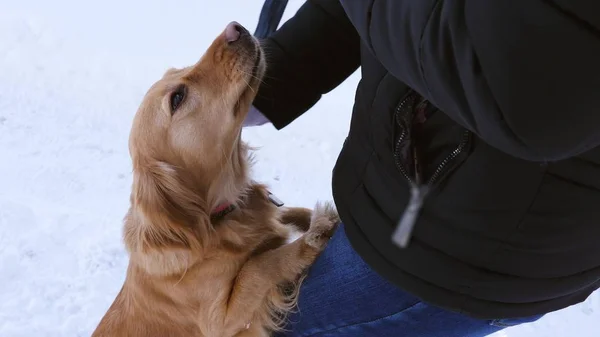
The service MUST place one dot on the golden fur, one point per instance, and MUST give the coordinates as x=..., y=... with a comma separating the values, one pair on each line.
x=190, y=274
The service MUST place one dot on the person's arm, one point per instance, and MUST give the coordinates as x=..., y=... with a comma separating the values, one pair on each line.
x=310, y=55
x=524, y=75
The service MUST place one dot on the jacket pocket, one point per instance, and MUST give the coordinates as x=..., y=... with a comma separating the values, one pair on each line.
x=427, y=142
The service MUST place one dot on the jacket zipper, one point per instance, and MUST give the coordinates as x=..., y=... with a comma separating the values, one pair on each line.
x=403, y=133
x=455, y=153
x=440, y=168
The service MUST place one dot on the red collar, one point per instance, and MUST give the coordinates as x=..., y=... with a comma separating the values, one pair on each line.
x=222, y=209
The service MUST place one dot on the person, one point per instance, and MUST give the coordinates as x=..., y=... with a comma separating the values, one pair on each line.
x=469, y=182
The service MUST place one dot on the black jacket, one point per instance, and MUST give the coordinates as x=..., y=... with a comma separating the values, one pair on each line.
x=499, y=102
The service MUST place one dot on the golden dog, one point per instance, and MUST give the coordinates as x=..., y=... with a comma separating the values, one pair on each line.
x=209, y=251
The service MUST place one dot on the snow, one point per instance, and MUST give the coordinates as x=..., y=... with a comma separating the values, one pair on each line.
x=72, y=76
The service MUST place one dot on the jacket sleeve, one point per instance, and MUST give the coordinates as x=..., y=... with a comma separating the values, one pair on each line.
x=308, y=56
x=524, y=75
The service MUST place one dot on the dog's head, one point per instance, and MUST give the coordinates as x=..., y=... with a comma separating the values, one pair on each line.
x=185, y=141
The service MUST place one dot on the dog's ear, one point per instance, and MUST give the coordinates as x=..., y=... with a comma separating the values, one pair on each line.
x=158, y=189
x=167, y=225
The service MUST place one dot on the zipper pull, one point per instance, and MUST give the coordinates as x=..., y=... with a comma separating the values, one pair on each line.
x=407, y=222
x=418, y=192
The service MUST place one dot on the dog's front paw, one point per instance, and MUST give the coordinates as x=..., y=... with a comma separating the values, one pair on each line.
x=323, y=223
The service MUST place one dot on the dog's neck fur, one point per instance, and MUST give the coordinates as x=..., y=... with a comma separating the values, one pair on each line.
x=180, y=292
x=233, y=181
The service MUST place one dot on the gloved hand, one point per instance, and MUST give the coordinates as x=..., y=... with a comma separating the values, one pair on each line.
x=254, y=118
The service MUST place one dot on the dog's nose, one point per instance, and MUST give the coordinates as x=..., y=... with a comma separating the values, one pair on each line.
x=234, y=31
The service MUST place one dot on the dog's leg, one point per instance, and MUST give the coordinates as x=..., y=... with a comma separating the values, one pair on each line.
x=299, y=217
x=284, y=264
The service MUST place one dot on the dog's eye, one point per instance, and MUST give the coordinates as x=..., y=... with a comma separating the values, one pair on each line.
x=177, y=97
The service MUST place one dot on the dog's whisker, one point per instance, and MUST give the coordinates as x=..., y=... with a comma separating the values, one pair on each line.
x=251, y=75
x=249, y=86
x=248, y=74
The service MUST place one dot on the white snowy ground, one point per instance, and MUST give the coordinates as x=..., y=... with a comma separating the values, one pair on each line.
x=71, y=76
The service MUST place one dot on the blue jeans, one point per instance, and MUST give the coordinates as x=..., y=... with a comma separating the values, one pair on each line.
x=343, y=297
